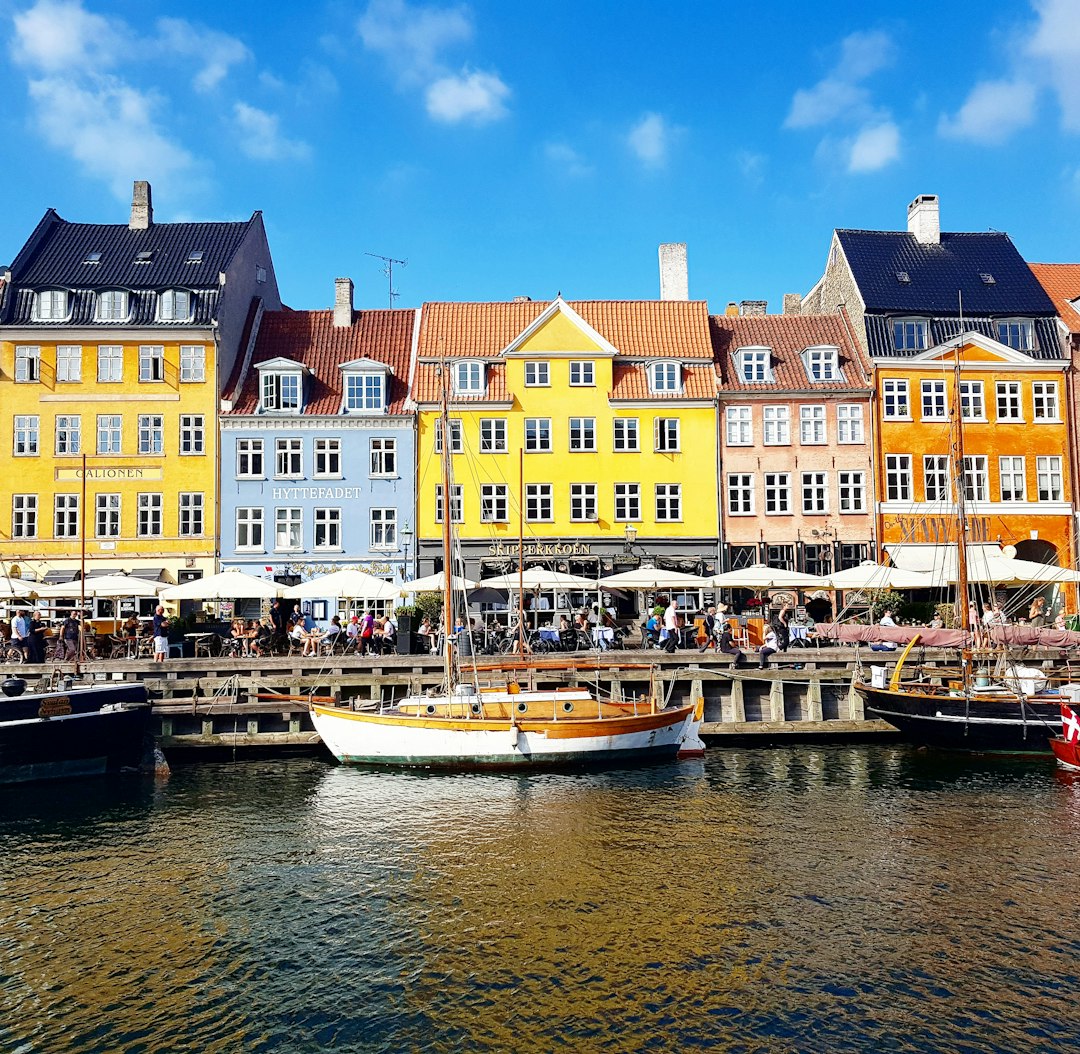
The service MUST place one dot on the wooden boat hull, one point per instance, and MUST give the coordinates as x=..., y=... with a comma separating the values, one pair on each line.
x=82, y=732
x=1067, y=754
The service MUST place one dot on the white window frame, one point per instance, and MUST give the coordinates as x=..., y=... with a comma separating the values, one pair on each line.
x=822, y=364
x=1010, y=395
x=538, y=438
x=626, y=435
x=383, y=458
x=27, y=363
x=469, y=377
x=174, y=305
x=973, y=400
x=327, y=529
x=493, y=433
x=582, y=437
x=754, y=365
x=149, y=515
x=24, y=515
x=850, y=427
x=665, y=378
x=365, y=392
x=814, y=487
x=383, y=523
x=539, y=503
x=1016, y=333
x=1011, y=471
x=108, y=510
x=910, y=334
x=739, y=494
x=666, y=435
x=253, y=452
x=110, y=363
x=936, y=483
x=112, y=305
x=191, y=514
x=288, y=529
x=895, y=399
x=582, y=373
x=667, y=502
x=457, y=503
x=65, y=515
x=584, y=505
x=777, y=493
x=1044, y=398
x=326, y=451
x=934, y=400
x=192, y=363
x=776, y=425
x=281, y=391
x=192, y=435
x=110, y=433
x=457, y=436
x=69, y=363
x=151, y=434
x=628, y=502
x=27, y=433
x=851, y=492
x=250, y=524
x=288, y=457
x=68, y=435
x=739, y=425
x=151, y=363
x=976, y=477
x=52, y=305
x=1050, y=479
x=898, y=477
x=494, y=503
x=812, y=425
x=537, y=375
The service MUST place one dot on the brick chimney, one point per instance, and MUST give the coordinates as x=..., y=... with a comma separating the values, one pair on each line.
x=792, y=304
x=343, y=302
x=924, y=219
x=754, y=307
x=732, y=310
x=674, y=278
x=142, y=209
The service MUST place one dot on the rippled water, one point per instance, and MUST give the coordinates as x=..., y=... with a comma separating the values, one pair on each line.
x=804, y=900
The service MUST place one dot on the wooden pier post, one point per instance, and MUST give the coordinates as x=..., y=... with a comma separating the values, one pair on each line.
x=776, y=701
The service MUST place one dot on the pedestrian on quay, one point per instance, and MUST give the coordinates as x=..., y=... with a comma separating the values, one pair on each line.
x=20, y=631
x=69, y=637
x=670, y=634
x=1037, y=612
x=161, y=634
x=35, y=647
x=277, y=626
x=770, y=646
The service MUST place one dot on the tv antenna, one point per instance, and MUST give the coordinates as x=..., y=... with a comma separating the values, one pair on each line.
x=388, y=270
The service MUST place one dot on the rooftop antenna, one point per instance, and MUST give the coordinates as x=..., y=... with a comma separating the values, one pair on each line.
x=388, y=270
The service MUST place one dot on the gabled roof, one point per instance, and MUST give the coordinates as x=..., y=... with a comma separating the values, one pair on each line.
x=1062, y=285
x=787, y=337
x=944, y=279
x=311, y=338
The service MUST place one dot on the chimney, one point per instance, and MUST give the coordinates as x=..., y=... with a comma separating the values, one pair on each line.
x=792, y=304
x=343, y=302
x=754, y=307
x=674, y=280
x=142, y=211
x=924, y=219
x=732, y=309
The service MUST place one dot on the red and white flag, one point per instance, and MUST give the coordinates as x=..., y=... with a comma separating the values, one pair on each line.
x=1070, y=724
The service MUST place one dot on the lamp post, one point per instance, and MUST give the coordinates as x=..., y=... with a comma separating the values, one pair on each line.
x=406, y=538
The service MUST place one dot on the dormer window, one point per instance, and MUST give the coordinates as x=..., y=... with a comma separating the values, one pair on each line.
x=51, y=305
x=1018, y=333
x=909, y=334
x=280, y=391
x=364, y=385
x=469, y=378
x=665, y=378
x=195, y=256
x=112, y=305
x=144, y=256
x=754, y=365
x=174, y=305
x=92, y=258
x=822, y=364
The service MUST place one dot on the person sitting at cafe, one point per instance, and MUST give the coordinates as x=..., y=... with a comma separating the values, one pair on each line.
x=725, y=644
x=770, y=647
x=427, y=632
x=131, y=628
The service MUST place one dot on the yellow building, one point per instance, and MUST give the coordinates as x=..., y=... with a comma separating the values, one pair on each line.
x=587, y=427
x=114, y=343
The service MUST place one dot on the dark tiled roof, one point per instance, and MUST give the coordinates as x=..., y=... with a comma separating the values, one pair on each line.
x=787, y=336
x=311, y=338
x=142, y=306
x=1062, y=283
x=942, y=275
x=879, y=335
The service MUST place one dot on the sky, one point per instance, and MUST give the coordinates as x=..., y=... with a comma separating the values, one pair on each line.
x=530, y=149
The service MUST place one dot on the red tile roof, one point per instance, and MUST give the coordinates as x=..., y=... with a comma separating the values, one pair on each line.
x=631, y=382
x=1062, y=284
x=427, y=386
x=788, y=336
x=311, y=338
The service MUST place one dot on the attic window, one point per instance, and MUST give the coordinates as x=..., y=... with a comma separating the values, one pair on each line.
x=144, y=256
x=92, y=258
x=987, y=279
x=195, y=256
x=903, y=277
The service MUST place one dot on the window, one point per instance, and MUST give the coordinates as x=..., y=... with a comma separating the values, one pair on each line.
x=822, y=364
x=468, y=378
x=739, y=426
x=456, y=441
x=27, y=363
x=384, y=528
x=24, y=515
x=289, y=458
x=972, y=401
x=384, y=457
x=364, y=391
x=849, y=423
x=280, y=391
x=583, y=434
x=192, y=363
x=112, y=306
x=327, y=458
x=151, y=434
x=666, y=435
x=780, y=556
x=851, y=488
x=583, y=502
x=811, y=425
x=537, y=375
x=537, y=435
x=909, y=334
x=539, y=506
x=668, y=501
x=582, y=375
x=815, y=492
x=151, y=362
x=191, y=515
x=174, y=305
x=740, y=494
x=493, y=504
x=898, y=477
x=777, y=493
x=1044, y=395
x=493, y=435
x=1048, y=478
x=754, y=365
x=249, y=528
x=148, y=520
x=817, y=559
x=66, y=516
x=627, y=501
x=936, y=477
x=109, y=434
x=976, y=483
x=934, y=406
x=68, y=363
x=1017, y=333
x=288, y=529
x=1008, y=401
x=192, y=434
x=249, y=459
x=895, y=397
x=110, y=363
x=625, y=435
x=51, y=305
x=107, y=516
x=1013, y=477
x=195, y=256
x=68, y=434
x=777, y=421
x=664, y=377
x=26, y=436
x=328, y=528
x=457, y=505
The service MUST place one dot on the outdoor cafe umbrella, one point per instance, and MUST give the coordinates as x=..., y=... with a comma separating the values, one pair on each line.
x=869, y=575
x=759, y=576
x=17, y=587
x=349, y=583
x=436, y=583
x=115, y=585
x=226, y=585
x=538, y=578
x=645, y=578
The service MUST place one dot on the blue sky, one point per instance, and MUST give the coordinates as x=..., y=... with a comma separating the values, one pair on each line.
x=506, y=149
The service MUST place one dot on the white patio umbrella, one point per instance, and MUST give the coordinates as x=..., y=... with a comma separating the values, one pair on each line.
x=18, y=587
x=226, y=585
x=869, y=575
x=350, y=584
x=643, y=578
x=538, y=578
x=758, y=576
x=104, y=586
x=436, y=583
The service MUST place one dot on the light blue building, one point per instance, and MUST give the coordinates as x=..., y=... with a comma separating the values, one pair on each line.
x=317, y=448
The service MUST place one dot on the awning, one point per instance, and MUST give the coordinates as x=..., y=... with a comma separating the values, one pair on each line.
x=152, y=574
x=59, y=576
x=98, y=574
x=927, y=557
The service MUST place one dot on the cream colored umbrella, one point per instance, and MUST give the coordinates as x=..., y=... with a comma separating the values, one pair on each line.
x=538, y=578
x=226, y=585
x=10, y=588
x=869, y=575
x=436, y=583
x=758, y=576
x=104, y=586
x=643, y=578
x=348, y=584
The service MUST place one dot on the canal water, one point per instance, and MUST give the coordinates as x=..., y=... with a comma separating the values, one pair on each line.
x=827, y=899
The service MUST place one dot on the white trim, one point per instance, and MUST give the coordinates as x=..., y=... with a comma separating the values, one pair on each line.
x=556, y=307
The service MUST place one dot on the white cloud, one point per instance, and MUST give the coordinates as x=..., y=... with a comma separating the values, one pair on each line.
x=412, y=38
x=1055, y=43
x=216, y=52
x=567, y=160
x=874, y=147
x=752, y=166
x=56, y=36
x=650, y=140
x=992, y=112
x=476, y=97
x=260, y=137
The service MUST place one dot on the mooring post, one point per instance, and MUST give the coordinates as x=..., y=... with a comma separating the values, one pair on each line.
x=733, y=709
x=776, y=701
x=813, y=700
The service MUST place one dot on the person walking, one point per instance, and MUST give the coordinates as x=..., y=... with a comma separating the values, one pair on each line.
x=160, y=626
x=69, y=637
x=20, y=632
x=35, y=645
x=671, y=627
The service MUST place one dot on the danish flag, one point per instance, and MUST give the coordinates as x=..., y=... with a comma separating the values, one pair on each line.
x=1070, y=724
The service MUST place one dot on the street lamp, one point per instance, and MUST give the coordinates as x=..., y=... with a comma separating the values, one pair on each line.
x=406, y=538
x=629, y=537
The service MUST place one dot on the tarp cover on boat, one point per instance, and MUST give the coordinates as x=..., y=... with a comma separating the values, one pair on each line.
x=1018, y=636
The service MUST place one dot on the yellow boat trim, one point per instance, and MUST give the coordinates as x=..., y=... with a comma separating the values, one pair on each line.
x=894, y=681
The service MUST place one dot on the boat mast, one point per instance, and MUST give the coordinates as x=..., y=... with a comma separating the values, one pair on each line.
x=959, y=485
x=448, y=512
x=521, y=552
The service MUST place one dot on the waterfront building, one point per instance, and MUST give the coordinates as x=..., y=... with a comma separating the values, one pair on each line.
x=317, y=447
x=113, y=341
x=795, y=441
x=918, y=299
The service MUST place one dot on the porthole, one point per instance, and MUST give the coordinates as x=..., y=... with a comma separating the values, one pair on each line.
x=476, y=708
x=522, y=708
x=430, y=708
x=568, y=707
